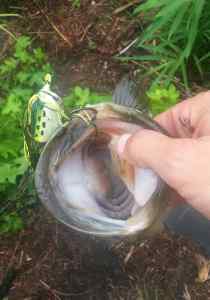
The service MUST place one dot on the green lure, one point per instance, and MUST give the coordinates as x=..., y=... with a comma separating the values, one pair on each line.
x=43, y=118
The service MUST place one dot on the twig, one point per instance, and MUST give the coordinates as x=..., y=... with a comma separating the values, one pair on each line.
x=129, y=254
x=2, y=27
x=128, y=46
x=186, y=294
x=21, y=259
x=124, y=7
x=85, y=32
x=72, y=294
x=42, y=259
x=40, y=32
x=18, y=7
x=58, y=293
x=62, y=36
x=12, y=259
x=47, y=287
x=58, y=31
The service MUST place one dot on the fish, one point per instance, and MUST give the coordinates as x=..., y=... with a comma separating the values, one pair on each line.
x=83, y=182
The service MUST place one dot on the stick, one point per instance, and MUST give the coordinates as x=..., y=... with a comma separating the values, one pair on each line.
x=52, y=24
x=124, y=7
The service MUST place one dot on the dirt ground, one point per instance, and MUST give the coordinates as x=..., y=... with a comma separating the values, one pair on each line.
x=48, y=262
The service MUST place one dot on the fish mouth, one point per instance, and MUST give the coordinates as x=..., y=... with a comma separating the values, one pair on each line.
x=91, y=189
x=103, y=179
x=89, y=180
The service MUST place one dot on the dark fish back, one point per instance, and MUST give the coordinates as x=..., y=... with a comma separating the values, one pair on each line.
x=125, y=93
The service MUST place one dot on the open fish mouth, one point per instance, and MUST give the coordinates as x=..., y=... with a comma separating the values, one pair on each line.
x=91, y=174
x=95, y=190
x=83, y=182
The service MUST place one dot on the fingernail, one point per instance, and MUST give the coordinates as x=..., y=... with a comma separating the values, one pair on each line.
x=118, y=143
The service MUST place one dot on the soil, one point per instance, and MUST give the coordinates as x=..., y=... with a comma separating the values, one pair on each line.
x=46, y=261
x=50, y=262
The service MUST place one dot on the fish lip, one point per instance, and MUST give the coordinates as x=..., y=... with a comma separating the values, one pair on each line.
x=116, y=126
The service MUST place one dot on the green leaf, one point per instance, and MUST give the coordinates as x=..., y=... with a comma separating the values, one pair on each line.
x=196, y=15
x=39, y=55
x=162, y=98
x=23, y=43
x=21, y=165
x=78, y=91
x=9, y=147
x=6, y=174
x=10, y=223
x=12, y=106
x=21, y=74
x=79, y=97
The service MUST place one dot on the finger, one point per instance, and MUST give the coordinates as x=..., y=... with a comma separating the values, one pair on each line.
x=177, y=120
x=146, y=148
x=190, y=118
x=168, y=157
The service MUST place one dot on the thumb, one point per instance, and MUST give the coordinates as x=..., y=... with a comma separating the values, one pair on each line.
x=145, y=148
x=166, y=156
x=181, y=162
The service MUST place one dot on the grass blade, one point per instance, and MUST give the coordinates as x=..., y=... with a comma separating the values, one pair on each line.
x=178, y=20
x=150, y=4
x=207, y=55
x=198, y=7
x=141, y=58
x=2, y=15
x=198, y=65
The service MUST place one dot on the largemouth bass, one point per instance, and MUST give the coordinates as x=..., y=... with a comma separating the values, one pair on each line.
x=83, y=182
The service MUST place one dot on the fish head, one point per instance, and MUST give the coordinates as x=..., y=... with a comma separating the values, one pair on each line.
x=85, y=184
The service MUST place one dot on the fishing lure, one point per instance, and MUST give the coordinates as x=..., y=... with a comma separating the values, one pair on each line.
x=43, y=117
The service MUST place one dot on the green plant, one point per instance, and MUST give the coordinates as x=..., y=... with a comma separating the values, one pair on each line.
x=11, y=223
x=76, y=3
x=21, y=75
x=177, y=37
x=161, y=98
x=79, y=97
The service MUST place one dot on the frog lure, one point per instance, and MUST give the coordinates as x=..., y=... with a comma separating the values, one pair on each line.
x=43, y=117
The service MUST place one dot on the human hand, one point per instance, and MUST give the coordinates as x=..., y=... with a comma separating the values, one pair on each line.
x=183, y=160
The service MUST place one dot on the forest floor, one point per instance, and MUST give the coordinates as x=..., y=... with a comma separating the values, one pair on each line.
x=48, y=262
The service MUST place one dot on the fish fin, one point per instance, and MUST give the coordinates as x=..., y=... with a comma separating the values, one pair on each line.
x=125, y=93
